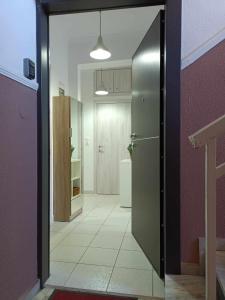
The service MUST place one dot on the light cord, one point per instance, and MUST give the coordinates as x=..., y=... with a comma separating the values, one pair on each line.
x=100, y=23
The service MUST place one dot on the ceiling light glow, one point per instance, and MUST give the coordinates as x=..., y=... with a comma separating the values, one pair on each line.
x=100, y=52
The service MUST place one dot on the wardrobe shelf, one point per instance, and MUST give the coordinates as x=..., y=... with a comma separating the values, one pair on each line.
x=74, y=197
x=75, y=178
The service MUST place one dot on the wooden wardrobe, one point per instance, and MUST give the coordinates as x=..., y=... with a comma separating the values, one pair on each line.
x=63, y=181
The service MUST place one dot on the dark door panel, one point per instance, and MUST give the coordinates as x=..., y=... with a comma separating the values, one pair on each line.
x=146, y=80
x=146, y=198
x=147, y=157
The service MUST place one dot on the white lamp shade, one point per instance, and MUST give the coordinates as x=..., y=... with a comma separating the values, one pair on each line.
x=100, y=51
x=101, y=91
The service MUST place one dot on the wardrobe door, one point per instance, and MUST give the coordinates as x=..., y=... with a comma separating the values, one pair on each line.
x=61, y=158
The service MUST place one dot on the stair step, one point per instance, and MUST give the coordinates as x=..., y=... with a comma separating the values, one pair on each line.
x=185, y=287
x=220, y=270
x=220, y=247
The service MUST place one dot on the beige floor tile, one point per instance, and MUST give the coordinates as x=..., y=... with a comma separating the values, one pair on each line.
x=100, y=212
x=99, y=256
x=131, y=282
x=78, y=219
x=115, y=220
x=59, y=273
x=90, y=277
x=76, y=239
x=158, y=286
x=129, y=228
x=56, y=238
x=98, y=220
x=58, y=226
x=133, y=259
x=86, y=228
x=67, y=253
x=104, y=227
x=129, y=243
x=104, y=240
x=112, y=229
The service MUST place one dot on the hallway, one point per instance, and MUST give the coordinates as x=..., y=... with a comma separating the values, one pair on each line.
x=96, y=251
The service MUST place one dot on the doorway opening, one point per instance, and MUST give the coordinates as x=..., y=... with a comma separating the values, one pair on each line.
x=48, y=8
x=101, y=237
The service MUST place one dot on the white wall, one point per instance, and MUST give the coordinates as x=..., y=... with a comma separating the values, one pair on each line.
x=86, y=78
x=59, y=78
x=18, y=36
x=59, y=64
x=203, y=26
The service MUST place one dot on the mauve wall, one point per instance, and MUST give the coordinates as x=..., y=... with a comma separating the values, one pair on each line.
x=18, y=189
x=202, y=101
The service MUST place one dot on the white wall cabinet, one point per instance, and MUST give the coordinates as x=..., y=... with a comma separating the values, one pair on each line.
x=116, y=81
x=122, y=81
x=107, y=77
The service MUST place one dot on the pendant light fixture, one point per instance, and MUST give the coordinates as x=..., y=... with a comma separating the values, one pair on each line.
x=100, y=51
x=101, y=90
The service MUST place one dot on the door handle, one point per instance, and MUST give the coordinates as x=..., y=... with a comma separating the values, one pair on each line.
x=100, y=148
x=133, y=135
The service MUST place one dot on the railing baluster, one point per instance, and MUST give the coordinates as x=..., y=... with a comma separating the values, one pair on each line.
x=207, y=137
x=210, y=218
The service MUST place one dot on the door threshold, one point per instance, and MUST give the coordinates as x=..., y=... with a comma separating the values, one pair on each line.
x=89, y=291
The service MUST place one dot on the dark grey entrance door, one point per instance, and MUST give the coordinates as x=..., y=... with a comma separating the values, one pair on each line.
x=147, y=140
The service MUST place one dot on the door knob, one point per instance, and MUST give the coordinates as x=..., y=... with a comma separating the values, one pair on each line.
x=100, y=149
x=133, y=135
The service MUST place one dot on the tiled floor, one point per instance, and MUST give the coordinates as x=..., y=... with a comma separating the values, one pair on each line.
x=96, y=251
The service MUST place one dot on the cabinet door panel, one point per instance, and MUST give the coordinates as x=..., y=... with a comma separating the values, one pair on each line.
x=61, y=158
x=122, y=81
x=107, y=77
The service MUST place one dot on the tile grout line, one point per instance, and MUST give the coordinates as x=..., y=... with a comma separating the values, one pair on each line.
x=88, y=214
x=76, y=263
x=96, y=233
x=108, y=266
x=116, y=258
x=118, y=250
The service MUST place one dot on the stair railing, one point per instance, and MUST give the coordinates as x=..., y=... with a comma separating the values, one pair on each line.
x=207, y=137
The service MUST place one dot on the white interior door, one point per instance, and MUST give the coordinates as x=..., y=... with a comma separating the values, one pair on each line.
x=113, y=127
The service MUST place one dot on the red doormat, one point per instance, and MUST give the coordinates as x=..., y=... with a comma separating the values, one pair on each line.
x=66, y=295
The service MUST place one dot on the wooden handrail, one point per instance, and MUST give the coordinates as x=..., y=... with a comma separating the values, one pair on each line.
x=212, y=130
x=207, y=137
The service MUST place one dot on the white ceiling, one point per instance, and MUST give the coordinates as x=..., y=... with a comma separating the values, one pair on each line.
x=122, y=31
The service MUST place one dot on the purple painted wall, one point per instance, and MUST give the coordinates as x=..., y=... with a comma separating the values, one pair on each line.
x=202, y=101
x=18, y=189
